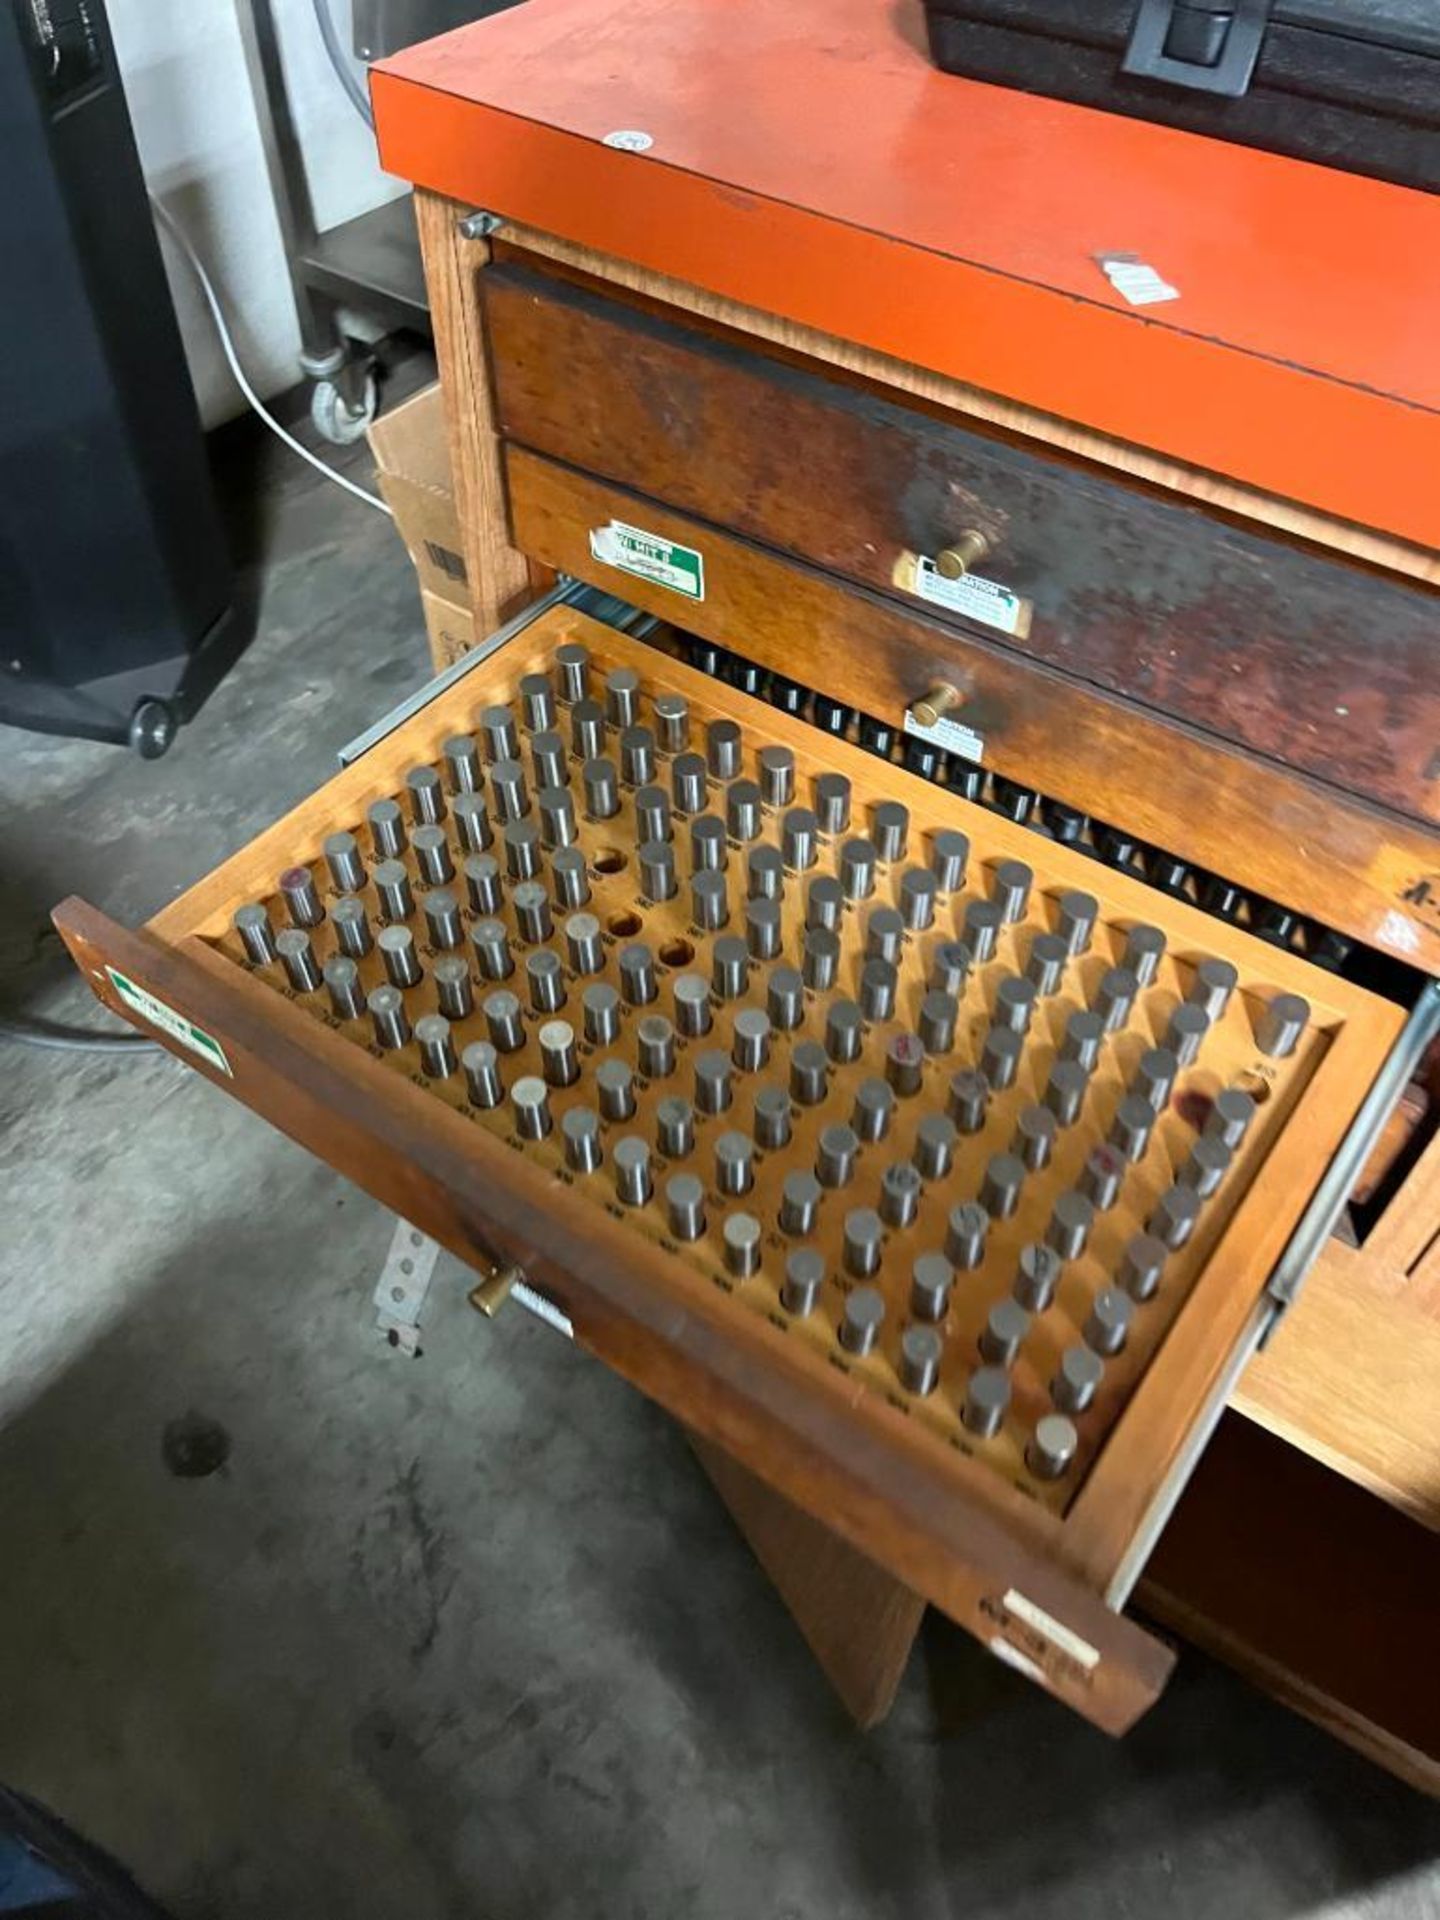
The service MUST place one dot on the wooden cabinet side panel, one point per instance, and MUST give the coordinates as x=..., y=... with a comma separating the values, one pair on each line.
x=1321, y=1594
x=501, y=579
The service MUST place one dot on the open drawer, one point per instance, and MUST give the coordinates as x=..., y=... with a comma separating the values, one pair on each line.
x=720, y=991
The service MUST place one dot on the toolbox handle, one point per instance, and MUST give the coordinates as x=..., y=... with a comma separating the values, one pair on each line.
x=1206, y=46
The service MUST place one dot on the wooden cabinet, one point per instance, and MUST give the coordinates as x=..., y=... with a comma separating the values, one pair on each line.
x=870, y=323
x=1170, y=667
x=614, y=394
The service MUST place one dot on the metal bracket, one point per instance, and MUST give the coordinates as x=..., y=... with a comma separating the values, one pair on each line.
x=564, y=593
x=1239, y=24
x=567, y=592
x=1198, y=1436
x=1318, y=1221
x=1316, y=1225
x=403, y=1284
x=480, y=224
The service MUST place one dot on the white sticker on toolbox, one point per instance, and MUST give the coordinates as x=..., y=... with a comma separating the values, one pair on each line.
x=169, y=1021
x=1135, y=279
x=1053, y=1630
x=983, y=600
x=650, y=557
x=951, y=736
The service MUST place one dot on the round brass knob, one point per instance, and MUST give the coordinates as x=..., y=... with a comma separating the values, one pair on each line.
x=942, y=698
x=956, y=560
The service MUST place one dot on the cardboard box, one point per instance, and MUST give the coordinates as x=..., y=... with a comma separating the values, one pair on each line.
x=450, y=629
x=412, y=459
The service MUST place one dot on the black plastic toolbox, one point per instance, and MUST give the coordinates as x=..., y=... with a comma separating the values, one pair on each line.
x=1342, y=82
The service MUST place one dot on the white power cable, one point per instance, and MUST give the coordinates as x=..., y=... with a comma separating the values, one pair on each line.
x=217, y=314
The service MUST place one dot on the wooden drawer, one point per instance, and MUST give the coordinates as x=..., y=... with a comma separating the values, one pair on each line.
x=1034, y=1565
x=1367, y=873
x=1317, y=664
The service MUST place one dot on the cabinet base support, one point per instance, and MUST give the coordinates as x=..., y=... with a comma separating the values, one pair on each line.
x=859, y=1621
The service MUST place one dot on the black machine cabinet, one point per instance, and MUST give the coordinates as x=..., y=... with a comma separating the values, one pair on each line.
x=117, y=606
x=1349, y=83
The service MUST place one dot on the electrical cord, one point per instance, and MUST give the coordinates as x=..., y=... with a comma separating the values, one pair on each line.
x=344, y=72
x=217, y=314
x=49, y=1033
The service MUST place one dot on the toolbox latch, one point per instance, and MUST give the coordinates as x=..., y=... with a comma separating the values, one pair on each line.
x=1208, y=46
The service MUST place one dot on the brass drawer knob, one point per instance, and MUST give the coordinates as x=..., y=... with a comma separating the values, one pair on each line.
x=494, y=1290
x=956, y=560
x=942, y=698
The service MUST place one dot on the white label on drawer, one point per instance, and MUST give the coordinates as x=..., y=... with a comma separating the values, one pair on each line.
x=1053, y=1630
x=650, y=557
x=542, y=1308
x=169, y=1021
x=949, y=735
x=983, y=600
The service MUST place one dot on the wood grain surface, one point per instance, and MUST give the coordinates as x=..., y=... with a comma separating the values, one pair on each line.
x=960, y=401
x=1316, y=664
x=624, y=912
x=717, y=1372
x=1351, y=1376
x=858, y=1621
x=1359, y=869
x=501, y=579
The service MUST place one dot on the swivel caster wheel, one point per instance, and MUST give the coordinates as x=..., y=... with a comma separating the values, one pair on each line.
x=152, y=729
x=337, y=418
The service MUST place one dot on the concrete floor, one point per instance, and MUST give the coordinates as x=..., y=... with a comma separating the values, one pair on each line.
x=469, y=1635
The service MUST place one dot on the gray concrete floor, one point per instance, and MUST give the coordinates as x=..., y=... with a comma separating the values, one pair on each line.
x=469, y=1635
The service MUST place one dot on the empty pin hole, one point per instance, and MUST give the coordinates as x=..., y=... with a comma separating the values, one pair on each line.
x=624, y=925
x=1257, y=1086
x=407, y=1266
x=609, y=860
x=677, y=953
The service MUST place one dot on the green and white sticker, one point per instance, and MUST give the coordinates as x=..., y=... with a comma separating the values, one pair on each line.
x=167, y=1020
x=650, y=557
